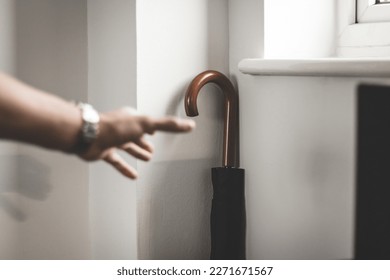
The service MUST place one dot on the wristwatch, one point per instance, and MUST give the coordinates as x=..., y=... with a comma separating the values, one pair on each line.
x=90, y=126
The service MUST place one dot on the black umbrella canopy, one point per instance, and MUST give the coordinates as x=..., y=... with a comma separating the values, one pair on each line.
x=228, y=218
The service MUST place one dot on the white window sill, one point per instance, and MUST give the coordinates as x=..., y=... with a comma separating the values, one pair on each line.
x=330, y=67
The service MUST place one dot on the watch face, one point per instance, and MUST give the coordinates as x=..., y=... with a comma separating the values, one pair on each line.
x=91, y=120
x=90, y=115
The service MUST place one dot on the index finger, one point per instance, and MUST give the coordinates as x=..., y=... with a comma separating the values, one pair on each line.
x=172, y=124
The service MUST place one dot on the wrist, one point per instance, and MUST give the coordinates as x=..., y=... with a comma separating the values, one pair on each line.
x=107, y=132
x=89, y=130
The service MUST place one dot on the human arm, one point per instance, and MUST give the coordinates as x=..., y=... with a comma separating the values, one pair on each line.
x=33, y=116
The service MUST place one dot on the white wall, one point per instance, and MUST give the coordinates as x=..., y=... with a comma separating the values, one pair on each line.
x=300, y=28
x=46, y=201
x=246, y=32
x=297, y=136
x=7, y=40
x=299, y=139
x=10, y=215
x=51, y=44
x=112, y=84
x=176, y=40
x=9, y=212
x=54, y=206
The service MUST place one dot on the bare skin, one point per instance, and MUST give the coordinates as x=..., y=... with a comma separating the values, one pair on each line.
x=33, y=116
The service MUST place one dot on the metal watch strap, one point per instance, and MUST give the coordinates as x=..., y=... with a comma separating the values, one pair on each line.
x=90, y=127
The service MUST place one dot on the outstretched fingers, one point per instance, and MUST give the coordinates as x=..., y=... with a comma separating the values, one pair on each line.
x=137, y=151
x=121, y=165
x=145, y=144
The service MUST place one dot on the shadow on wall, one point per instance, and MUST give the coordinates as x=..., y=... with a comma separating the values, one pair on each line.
x=177, y=102
x=33, y=178
x=23, y=175
x=175, y=213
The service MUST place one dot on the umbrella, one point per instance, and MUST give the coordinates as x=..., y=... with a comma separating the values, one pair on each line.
x=228, y=218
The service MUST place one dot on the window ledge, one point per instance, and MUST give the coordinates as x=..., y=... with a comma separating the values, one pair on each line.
x=330, y=67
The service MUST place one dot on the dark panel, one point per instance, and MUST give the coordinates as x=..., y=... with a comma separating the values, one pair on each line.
x=372, y=236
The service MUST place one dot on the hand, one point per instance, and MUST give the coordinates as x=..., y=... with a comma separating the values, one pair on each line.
x=123, y=129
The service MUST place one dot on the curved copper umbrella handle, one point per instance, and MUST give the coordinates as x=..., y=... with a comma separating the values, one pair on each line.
x=231, y=129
